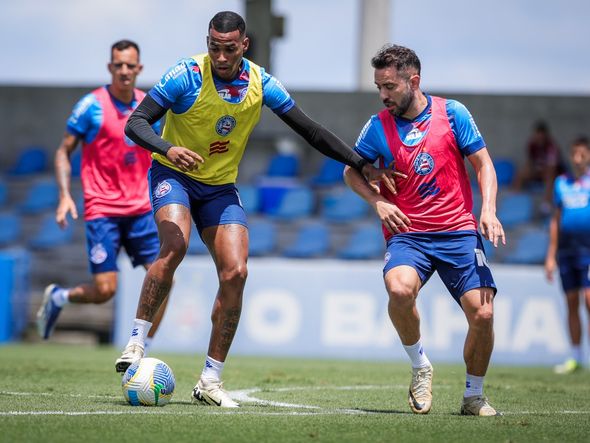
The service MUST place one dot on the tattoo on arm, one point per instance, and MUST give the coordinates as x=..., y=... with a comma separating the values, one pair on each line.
x=153, y=293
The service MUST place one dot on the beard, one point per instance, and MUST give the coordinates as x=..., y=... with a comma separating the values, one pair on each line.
x=404, y=104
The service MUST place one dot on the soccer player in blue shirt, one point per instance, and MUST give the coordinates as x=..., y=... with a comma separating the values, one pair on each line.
x=569, y=244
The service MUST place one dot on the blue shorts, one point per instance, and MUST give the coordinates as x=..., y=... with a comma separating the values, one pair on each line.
x=210, y=205
x=105, y=236
x=458, y=257
x=574, y=272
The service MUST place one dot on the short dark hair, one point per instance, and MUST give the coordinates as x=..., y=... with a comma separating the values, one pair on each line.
x=581, y=140
x=228, y=21
x=124, y=44
x=400, y=57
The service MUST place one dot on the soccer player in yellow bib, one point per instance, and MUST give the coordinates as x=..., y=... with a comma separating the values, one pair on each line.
x=212, y=102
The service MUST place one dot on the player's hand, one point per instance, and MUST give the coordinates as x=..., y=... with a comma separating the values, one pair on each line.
x=375, y=175
x=184, y=159
x=66, y=206
x=491, y=228
x=394, y=220
x=550, y=266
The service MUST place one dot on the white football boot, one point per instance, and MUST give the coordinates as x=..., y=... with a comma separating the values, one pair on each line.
x=211, y=392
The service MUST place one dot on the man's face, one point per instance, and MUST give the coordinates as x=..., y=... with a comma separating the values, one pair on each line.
x=226, y=51
x=395, y=90
x=124, y=68
x=580, y=158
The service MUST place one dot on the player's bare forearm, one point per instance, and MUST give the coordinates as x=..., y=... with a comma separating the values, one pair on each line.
x=490, y=226
x=63, y=166
x=358, y=184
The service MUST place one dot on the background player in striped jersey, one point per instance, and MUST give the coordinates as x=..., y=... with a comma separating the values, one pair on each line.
x=427, y=222
x=117, y=208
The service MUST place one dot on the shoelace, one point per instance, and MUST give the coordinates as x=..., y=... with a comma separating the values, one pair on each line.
x=421, y=383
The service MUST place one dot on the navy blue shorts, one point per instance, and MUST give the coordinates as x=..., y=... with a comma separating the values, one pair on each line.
x=458, y=257
x=210, y=205
x=105, y=236
x=574, y=272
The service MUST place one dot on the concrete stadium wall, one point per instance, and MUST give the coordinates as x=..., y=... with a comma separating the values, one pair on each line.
x=37, y=116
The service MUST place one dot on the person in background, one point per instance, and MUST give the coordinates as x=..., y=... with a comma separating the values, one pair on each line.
x=117, y=207
x=212, y=102
x=427, y=223
x=569, y=245
x=542, y=164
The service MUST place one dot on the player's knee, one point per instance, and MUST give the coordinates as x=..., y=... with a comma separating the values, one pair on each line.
x=483, y=317
x=234, y=276
x=401, y=295
x=104, y=293
x=173, y=250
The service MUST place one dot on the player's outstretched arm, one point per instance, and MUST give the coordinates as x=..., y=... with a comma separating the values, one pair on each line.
x=331, y=146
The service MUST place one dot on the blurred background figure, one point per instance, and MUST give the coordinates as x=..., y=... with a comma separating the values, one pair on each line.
x=542, y=164
x=569, y=246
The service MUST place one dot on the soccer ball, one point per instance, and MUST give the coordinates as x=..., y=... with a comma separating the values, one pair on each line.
x=148, y=382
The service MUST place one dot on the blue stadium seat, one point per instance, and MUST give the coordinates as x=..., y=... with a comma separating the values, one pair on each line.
x=515, y=209
x=50, y=235
x=294, y=203
x=10, y=229
x=196, y=245
x=250, y=198
x=330, y=173
x=283, y=165
x=32, y=160
x=3, y=193
x=263, y=238
x=505, y=170
x=343, y=206
x=42, y=195
x=530, y=247
x=366, y=242
x=312, y=240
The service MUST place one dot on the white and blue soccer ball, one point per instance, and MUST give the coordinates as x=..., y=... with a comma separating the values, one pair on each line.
x=148, y=382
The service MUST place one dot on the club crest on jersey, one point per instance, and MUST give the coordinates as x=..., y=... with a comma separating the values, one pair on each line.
x=225, y=125
x=162, y=189
x=424, y=164
x=98, y=254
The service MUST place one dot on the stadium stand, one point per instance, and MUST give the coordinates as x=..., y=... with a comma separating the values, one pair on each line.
x=312, y=240
x=263, y=238
x=530, y=246
x=250, y=198
x=31, y=160
x=366, y=242
x=50, y=235
x=330, y=173
x=343, y=206
x=11, y=229
x=294, y=204
x=505, y=170
x=283, y=165
x=515, y=209
x=42, y=195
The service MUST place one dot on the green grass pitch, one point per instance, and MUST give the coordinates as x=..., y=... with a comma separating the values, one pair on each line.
x=71, y=393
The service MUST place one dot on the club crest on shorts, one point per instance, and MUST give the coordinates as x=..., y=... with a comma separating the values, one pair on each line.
x=162, y=189
x=424, y=163
x=98, y=254
x=225, y=125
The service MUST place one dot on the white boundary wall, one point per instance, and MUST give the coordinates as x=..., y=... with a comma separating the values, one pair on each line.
x=338, y=309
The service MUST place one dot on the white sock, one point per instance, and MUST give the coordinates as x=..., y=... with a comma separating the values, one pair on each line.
x=139, y=332
x=577, y=353
x=417, y=355
x=212, y=369
x=147, y=343
x=473, y=385
x=61, y=297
